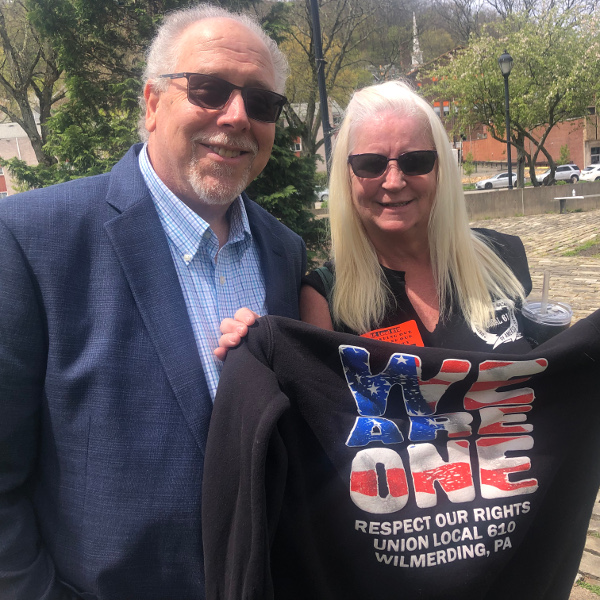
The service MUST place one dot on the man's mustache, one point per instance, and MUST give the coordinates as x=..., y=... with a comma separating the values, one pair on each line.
x=237, y=142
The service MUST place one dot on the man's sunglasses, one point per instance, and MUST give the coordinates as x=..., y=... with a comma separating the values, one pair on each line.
x=208, y=91
x=369, y=166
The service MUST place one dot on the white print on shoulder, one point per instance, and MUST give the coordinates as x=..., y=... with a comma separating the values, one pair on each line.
x=504, y=328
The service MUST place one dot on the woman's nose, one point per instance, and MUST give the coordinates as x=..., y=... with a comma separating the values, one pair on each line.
x=393, y=176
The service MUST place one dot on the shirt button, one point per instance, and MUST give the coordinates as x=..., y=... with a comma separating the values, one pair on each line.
x=187, y=258
x=222, y=280
x=206, y=234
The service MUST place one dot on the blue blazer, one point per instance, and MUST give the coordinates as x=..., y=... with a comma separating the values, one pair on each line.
x=104, y=409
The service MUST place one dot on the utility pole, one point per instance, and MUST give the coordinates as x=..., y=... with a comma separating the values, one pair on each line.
x=318, y=45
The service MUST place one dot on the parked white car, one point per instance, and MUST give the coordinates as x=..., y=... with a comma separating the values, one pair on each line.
x=569, y=172
x=321, y=197
x=497, y=181
x=591, y=173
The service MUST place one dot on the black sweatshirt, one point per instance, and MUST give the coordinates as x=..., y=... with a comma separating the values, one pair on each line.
x=343, y=468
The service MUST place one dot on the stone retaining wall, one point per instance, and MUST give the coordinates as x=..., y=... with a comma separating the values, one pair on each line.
x=492, y=204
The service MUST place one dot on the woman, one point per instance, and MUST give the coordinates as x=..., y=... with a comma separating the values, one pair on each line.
x=403, y=255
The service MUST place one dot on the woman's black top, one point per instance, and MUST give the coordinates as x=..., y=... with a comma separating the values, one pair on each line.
x=453, y=332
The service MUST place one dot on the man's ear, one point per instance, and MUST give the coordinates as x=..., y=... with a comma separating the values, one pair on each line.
x=152, y=99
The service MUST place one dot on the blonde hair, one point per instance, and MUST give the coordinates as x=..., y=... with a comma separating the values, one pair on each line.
x=468, y=273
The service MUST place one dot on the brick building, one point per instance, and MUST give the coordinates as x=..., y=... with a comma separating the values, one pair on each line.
x=579, y=135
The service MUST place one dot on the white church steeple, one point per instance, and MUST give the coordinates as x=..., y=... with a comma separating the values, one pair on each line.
x=417, y=55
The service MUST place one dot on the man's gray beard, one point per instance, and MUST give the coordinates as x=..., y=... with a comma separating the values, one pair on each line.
x=221, y=192
x=227, y=188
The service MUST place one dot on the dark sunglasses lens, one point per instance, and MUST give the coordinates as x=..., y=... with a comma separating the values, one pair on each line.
x=417, y=163
x=263, y=105
x=211, y=92
x=208, y=92
x=368, y=165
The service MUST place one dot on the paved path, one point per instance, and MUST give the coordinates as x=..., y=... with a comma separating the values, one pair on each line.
x=575, y=280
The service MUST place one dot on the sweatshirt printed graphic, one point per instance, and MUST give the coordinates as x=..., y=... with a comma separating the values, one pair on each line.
x=341, y=467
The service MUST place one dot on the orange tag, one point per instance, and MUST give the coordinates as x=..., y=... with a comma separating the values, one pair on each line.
x=405, y=333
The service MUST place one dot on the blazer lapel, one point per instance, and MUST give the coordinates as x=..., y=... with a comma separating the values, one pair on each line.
x=141, y=246
x=282, y=298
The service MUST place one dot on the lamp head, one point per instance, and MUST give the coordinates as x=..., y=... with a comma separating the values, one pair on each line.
x=506, y=63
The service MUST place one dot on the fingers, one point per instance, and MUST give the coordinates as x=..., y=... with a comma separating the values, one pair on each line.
x=246, y=316
x=234, y=330
x=226, y=341
x=220, y=353
x=233, y=326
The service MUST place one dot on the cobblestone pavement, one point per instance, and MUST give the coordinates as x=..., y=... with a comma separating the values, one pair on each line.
x=573, y=279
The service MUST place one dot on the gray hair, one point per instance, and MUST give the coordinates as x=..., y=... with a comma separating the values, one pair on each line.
x=164, y=52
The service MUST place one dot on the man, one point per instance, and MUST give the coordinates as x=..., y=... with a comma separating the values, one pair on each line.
x=111, y=293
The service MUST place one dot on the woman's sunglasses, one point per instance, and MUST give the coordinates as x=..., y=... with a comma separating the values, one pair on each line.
x=369, y=166
x=208, y=91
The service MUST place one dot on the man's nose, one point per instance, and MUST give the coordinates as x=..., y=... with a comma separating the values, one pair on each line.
x=234, y=114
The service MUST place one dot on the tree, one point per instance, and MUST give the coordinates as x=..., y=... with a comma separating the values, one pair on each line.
x=565, y=155
x=388, y=45
x=536, y=8
x=345, y=26
x=436, y=42
x=286, y=189
x=100, y=45
x=468, y=166
x=507, y=8
x=391, y=43
x=462, y=18
x=554, y=78
x=29, y=76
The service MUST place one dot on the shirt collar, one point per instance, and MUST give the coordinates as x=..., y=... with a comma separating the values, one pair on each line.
x=186, y=229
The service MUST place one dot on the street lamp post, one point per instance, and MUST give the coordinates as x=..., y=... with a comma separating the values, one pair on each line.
x=506, y=65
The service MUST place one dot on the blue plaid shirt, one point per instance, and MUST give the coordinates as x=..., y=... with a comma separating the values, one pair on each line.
x=213, y=289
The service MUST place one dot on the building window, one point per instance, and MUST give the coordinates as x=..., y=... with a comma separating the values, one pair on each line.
x=1, y=171
x=446, y=108
x=3, y=194
x=437, y=109
x=596, y=155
